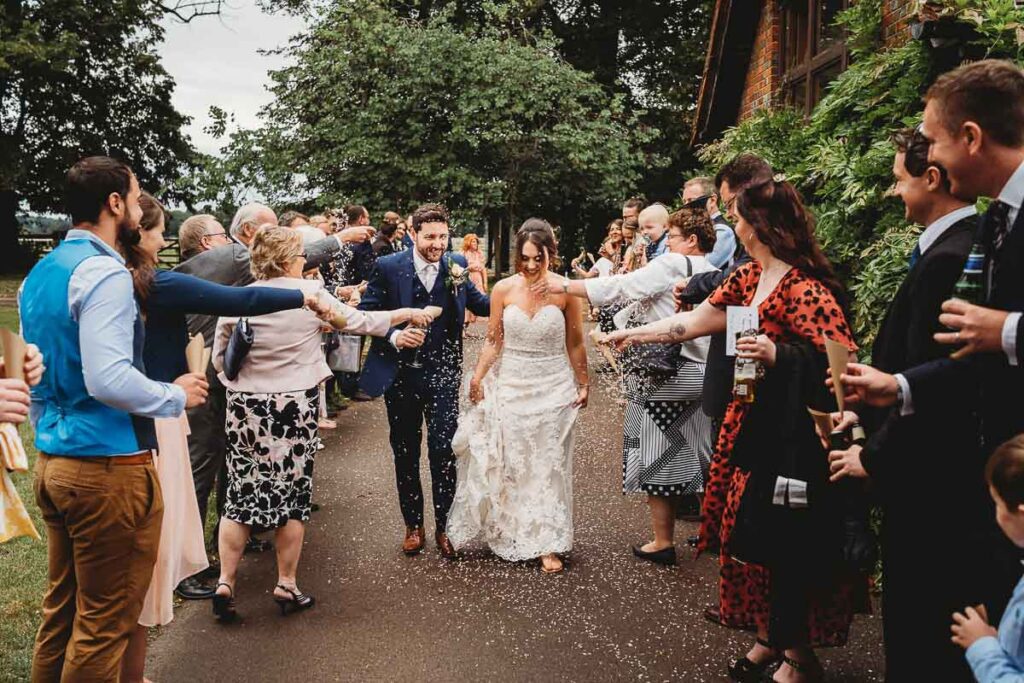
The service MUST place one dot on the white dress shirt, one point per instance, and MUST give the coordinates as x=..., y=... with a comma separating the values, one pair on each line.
x=427, y=273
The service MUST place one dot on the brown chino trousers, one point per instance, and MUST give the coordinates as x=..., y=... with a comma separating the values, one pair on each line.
x=103, y=528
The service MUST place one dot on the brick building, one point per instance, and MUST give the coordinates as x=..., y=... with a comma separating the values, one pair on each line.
x=768, y=52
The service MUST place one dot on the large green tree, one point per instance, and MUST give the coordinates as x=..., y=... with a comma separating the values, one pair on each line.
x=80, y=77
x=390, y=112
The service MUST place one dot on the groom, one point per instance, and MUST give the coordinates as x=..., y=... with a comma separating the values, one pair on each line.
x=419, y=277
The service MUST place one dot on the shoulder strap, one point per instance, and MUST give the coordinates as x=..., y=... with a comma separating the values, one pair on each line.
x=689, y=266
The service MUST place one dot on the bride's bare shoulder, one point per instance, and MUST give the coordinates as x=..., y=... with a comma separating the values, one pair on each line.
x=505, y=285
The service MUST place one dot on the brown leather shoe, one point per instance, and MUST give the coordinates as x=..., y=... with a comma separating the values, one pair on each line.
x=445, y=546
x=414, y=540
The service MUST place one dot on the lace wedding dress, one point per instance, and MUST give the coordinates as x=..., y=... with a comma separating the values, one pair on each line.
x=514, y=448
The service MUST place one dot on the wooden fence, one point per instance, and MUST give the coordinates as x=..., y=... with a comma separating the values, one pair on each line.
x=40, y=246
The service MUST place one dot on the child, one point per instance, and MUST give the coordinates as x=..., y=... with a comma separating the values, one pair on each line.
x=999, y=655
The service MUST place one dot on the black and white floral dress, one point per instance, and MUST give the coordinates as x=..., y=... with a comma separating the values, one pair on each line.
x=272, y=439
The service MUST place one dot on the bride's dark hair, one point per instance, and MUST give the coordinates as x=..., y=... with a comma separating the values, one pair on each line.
x=540, y=233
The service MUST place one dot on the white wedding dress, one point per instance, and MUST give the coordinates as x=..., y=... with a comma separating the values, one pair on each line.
x=514, y=448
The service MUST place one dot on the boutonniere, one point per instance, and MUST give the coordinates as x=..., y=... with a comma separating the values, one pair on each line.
x=456, y=275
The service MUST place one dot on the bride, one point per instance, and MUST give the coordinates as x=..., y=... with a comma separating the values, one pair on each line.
x=514, y=444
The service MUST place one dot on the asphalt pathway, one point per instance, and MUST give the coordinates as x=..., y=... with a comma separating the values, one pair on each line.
x=382, y=616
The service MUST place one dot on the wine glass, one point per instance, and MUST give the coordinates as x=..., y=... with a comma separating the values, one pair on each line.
x=434, y=312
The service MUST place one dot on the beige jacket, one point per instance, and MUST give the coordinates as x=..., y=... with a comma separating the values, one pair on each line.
x=286, y=355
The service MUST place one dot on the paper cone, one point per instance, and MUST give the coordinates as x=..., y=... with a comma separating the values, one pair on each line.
x=207, y=352
x=822, y=420
x=14, y=353
x=838, y=358
x=194, y=353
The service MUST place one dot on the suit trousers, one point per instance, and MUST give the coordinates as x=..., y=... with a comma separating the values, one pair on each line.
x=415, y=396
x=103, y=528
x=207, y=445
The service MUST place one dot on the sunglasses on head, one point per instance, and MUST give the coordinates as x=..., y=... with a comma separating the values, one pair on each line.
x=698, y=202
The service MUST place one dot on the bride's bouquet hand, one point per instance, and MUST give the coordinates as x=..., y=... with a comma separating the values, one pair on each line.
x=582, y=396
x=476, y=390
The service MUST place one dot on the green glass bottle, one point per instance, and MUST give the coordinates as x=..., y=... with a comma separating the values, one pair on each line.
x=971, y=285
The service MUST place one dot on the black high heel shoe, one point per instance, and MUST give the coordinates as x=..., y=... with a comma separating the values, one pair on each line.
x=665, y=556
x=744, y=670
x=811, y=669
x=224, y=605
x=297, y=603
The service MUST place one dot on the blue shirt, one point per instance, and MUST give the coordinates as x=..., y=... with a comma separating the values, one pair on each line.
x=725, y=244
x=1001, y=659
x=101, y=299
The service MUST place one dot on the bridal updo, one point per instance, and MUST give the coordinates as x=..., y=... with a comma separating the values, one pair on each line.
x=540, y=233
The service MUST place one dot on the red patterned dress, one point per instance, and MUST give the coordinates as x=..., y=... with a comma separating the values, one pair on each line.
x=800, y=308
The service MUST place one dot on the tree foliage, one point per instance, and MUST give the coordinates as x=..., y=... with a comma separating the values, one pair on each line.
x=80, y=77
x=390, y=112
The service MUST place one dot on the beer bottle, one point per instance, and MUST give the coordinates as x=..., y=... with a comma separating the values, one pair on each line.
x=971, y=285
x=745, y=374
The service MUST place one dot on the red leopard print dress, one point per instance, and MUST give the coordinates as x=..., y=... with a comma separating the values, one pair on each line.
x=800, y=308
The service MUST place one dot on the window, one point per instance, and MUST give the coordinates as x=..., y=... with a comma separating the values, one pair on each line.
x=813, y=51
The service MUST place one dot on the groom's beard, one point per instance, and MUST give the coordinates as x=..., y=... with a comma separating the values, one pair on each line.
x=127, y=235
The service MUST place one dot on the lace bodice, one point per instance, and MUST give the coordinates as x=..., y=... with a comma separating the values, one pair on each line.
x=543, y=335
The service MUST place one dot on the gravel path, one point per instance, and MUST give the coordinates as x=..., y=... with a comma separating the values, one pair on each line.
x=384, y=617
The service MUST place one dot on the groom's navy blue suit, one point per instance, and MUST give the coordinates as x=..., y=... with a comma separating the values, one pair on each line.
x=431, y=392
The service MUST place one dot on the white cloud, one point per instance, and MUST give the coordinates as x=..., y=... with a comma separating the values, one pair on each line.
x=215, y=61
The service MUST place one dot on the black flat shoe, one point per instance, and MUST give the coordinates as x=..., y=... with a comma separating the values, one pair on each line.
x=191, y=588
x=745, y=671
x=296, y=603
x=666, y=556
x=224, y=605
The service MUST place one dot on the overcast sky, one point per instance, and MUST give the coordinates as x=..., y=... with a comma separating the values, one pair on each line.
x=215, y=61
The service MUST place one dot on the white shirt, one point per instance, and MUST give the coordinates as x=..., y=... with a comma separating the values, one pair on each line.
x=651, y=288
x=934, y=231
x=603, y=267
x=427, y=273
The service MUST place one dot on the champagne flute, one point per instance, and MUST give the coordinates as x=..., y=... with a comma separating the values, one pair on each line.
x=434, y=312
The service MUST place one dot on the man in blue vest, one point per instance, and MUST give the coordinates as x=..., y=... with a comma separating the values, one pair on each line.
x=419, y=371
x=93, y=415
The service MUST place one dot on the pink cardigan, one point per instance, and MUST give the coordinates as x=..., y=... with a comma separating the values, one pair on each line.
x=286, y=355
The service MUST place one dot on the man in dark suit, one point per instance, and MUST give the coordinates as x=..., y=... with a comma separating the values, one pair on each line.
x=419, y=371
x=974, y=120
x=915, y=612
x=229, y=265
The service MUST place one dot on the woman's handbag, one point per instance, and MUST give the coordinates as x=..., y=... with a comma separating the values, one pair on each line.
x=238, y=347
x=658, y=359
x=345, y=356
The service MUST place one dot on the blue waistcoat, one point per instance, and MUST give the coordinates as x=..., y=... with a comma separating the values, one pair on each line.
x=70, y=422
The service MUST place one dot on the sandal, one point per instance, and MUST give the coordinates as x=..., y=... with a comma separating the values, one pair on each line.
x=811, y=670
x=224, y=605
x=559, y=570
x=744, y=670
x=297, y=603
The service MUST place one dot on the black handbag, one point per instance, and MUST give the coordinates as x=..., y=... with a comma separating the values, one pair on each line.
x=658, y=359
x=238, y=347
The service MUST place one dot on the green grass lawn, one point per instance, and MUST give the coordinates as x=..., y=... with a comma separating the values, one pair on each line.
x=22, y=562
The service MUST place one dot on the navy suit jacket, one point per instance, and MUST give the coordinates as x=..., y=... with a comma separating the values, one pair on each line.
x=391, y=287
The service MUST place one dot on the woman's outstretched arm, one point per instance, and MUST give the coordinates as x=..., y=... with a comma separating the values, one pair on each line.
x=702, y=321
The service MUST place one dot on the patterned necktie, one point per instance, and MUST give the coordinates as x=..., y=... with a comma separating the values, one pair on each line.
x=999, y=214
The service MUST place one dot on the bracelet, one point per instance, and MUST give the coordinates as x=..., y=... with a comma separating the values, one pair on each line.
x=583, y=386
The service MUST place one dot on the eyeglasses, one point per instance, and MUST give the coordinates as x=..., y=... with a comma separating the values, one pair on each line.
x=301, y=256
x=215, y=234
x=675, y=236
x=698, y=202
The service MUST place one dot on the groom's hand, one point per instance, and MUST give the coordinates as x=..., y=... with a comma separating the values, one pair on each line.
x=410, y=338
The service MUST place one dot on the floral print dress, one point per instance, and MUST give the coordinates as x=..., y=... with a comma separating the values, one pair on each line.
x=800, y=308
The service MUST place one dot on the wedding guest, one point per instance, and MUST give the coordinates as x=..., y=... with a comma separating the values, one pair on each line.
x=915, y=615
x=653, y=221
x=998, y=656
x=354, y=270
x=93, y=416
x=230, y=265
x=788, y=582
x=292, y=219
x=164, y=298
x=700, y=191
x=272, y=417
x=401, y=235
x=388, y=235
x=322, y=223
x=632, y=248
x=476, y=266
x=632, y=208
x=200, y=233
x=666, y=447
x=604, y=266
x=424, y=384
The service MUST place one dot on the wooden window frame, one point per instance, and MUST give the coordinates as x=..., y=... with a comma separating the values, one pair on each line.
x=810, y=67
